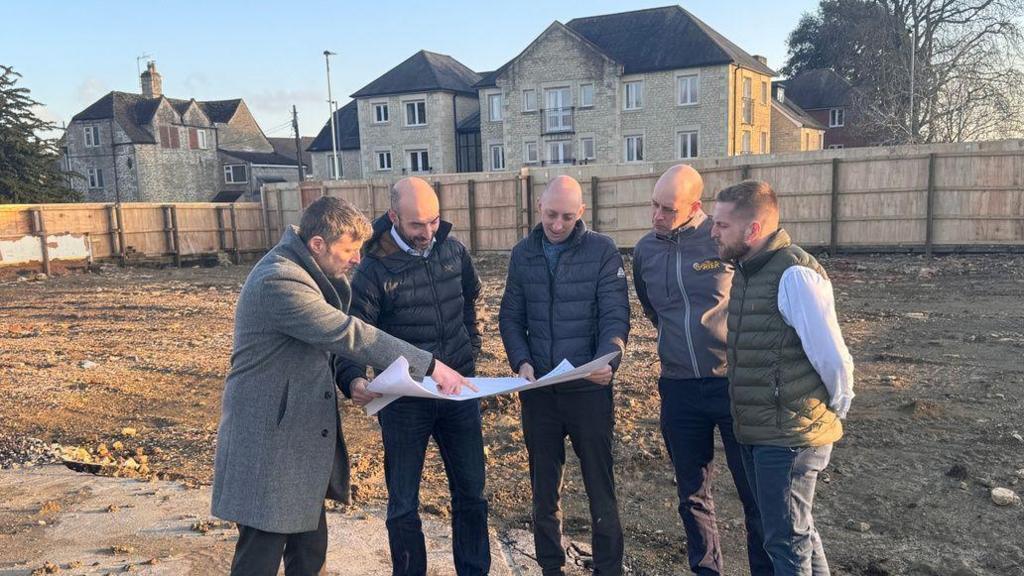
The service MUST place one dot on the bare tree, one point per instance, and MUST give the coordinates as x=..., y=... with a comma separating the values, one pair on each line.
x=966, y=61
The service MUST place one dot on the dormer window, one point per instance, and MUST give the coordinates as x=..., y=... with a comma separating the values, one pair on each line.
x=780, y=93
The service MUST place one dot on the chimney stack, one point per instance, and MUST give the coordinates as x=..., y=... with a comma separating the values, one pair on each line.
x=152, y=84
x=761, y=59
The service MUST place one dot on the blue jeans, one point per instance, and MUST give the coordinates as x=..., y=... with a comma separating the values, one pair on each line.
x=783, y=480
x=406, y=426
x=690, y=411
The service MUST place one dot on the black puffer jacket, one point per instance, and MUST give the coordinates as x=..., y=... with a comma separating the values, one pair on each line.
x=428, y=302
x=578, y=313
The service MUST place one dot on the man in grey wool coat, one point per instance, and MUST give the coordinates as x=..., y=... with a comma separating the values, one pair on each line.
x=280, y=450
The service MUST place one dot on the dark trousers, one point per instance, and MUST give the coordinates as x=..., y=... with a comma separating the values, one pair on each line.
x=587, y=418
x=690, y=411
x=783, y=480
x=407, y=425
x=259, y=553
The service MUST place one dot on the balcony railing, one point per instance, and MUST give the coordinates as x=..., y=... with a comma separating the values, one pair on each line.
x=557, y=120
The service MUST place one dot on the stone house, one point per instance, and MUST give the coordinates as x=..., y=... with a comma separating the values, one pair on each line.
x=408, y=117
x=350, y=161
x=646, y=85
x=793, y=129
x=150, y=148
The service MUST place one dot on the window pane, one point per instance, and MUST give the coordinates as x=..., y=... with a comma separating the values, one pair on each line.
x=494, y=107
x=410, y=113
x=587, y=95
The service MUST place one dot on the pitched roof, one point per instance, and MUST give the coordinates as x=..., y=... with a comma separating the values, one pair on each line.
x=423, y=72
x=346, y=124
x=220, y=110
x=286, y=147
x=792, y=109
x=665, y=38
x=265, y=158
x=818, y=88
x=132, y=111
x=470, y=124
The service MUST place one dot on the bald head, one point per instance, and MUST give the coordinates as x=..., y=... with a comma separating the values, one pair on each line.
x=415, y=211
x=560, y=206
x=676, y=198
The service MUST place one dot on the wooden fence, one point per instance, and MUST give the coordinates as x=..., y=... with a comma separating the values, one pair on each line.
x=949, y=197
x=69, y=234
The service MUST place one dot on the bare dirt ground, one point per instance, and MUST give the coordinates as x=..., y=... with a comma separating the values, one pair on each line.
x=937, y=422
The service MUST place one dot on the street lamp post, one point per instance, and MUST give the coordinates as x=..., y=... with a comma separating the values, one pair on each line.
x=331, y=110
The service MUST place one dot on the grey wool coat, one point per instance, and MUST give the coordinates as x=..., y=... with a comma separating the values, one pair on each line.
x=280, y=450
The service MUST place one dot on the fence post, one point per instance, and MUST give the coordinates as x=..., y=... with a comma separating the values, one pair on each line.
x=529, y=203
x=39, y=228
x=236, y=257
x=123, y=246
x=222, y=241
x=929, y=223
x=177, y=235
x=518, y=201
x=833, y=237
x=280, y=213
x=266, y=219
x=168, y=234
x=115, y=245
x=471, y=195
x=593, y=202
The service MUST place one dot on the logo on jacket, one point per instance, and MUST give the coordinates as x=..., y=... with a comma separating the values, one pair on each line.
x=621, y=273
x=707, y=265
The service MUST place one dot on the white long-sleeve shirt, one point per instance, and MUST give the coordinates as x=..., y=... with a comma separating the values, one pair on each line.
x=808, y=305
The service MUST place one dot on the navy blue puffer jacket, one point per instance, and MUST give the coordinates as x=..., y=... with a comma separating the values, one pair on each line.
x=579, y=312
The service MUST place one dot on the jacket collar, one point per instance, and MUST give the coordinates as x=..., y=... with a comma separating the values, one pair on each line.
x=293, y=248
x=536, y=237
x=777, y=241
x=686, y=230
x=383, y=246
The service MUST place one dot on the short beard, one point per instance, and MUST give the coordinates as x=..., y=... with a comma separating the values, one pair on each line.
x=734, y=252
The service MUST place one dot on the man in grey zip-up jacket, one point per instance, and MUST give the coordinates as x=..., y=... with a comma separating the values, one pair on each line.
x=683, y=287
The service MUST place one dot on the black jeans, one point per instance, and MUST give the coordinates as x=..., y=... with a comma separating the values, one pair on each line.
x=406, y=426
x=690, y=411
x=259, y=553
x=587, y=418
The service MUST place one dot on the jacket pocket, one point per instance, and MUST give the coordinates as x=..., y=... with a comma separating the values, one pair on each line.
x=283, y=407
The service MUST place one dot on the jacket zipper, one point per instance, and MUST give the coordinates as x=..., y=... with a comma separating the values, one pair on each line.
x=778, y=401
x=437, y=309
x=686, y=302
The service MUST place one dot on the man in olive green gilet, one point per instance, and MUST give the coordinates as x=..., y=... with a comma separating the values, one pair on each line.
x=790, y=374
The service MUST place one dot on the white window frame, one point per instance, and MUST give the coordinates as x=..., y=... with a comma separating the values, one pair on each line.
x=379, y=107
x=780, y=94
x=693, y=89
x=558, y=118
x=420, y=153
x=92, y=136
x=836, y=117
x=527, y=93
x=229, y=174
x=381, y=156
x=526, y=152
x=498, y=149
x=95, y=178
x=630, y=148
x=494, y=112
x=689, y=147
x=202, y=140
x=565, y=149
x=583, y=101
x=637, y=96
x=583, y=149
x=745, y=142
x=414, y=103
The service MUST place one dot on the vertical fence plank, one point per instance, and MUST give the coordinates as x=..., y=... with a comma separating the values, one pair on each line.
x=113, y=225
x=929, y=223
x=265, y=217
x=39, y=228
x=235, y=255
x=529, y=204
x=833, y=237
x=471, y=197
x=518, y=198
x=122, y=245
x=176, y=234
x=280, y=214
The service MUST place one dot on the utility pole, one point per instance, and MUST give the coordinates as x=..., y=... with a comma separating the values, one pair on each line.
x=330, y=108
x=298, y=143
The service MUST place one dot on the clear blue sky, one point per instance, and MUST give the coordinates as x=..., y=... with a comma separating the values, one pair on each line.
x=270, y=53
